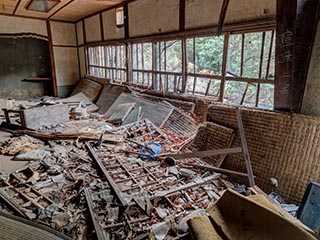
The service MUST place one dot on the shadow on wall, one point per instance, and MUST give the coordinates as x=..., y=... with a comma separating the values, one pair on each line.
x=22, y=58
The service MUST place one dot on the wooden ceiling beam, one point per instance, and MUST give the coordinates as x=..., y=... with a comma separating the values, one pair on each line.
x=32, y=17
x=59, y=9
x=16, y=7
x=223, y=14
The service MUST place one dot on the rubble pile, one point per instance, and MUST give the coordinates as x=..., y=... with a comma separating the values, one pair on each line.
x=121, y=178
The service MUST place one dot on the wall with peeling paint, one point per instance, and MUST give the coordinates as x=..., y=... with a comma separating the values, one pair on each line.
x=22, y=58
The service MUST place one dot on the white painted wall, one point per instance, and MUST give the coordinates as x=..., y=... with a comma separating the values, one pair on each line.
x=64, y=40
x=148, y=17
x=202, y=13
x=93, y=29
x=110, y=29
x=63, y=34
x=79, y=27
x=10, y=24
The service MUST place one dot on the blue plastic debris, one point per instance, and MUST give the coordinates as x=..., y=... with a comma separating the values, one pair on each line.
x=151, y=148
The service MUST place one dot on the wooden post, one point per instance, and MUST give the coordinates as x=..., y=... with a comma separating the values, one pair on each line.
x=245, y=150
x=53, y=65
x=182, y=13
x=307, y=21
x=285, y=54
x=223, y=13
x=296, y=25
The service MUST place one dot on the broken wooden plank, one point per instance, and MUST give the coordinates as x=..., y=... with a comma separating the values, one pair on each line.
x=13, y=206
x=201, y=154
x=71, y=135
x=95, y=221
x=222, y=170
x=187, y=186
x=245, y=150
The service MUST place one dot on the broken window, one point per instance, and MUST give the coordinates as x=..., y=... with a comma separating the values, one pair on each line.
x=246, y=71
x=42, y=5
x=108, y=62
x=250, y=69
x=142, y=64
x=168, y=66
x=96, y=61
x=204, y=65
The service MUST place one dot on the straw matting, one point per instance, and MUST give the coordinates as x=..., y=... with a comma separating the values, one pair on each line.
x=14, y=229
x=213, y=136
x=282, y=146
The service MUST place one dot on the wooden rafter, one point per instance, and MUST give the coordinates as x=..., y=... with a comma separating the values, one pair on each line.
x=223, y=13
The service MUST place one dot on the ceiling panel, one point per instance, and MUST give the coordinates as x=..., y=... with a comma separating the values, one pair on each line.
x=66, y=10
x=80, y=8
x=7, y=6
x=22, y=9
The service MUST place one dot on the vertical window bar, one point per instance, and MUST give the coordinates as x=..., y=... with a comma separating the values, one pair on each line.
x=224, y=65
x=105, y=61
x=269, y=56
x=260, y=67
x=242, y=54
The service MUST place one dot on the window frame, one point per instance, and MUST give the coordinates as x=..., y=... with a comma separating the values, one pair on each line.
x=180, y=86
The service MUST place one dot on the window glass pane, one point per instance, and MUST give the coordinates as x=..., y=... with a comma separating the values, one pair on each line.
x=209, y=52
x=97, y=72
x=233, y=92
x=142, y=56
x=251, y=95
x=252, y=52
x=266, y=50
x=190, y=84
x=173, y=56
x=272, y=60
x=266, y=97
x=214, y=88
x=190, y=55
x=201, y=86
x=234, y=55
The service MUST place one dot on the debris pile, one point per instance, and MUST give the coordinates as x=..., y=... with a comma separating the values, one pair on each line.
x=118, y=171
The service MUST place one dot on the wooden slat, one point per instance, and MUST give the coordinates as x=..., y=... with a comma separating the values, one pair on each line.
x=109, y=178
x=203, y=154
x=245, y=150
x=224, y=66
